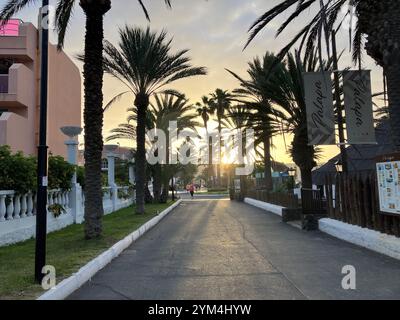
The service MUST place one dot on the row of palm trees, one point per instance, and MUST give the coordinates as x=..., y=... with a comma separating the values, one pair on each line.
x=217, y=104
x=149, y=66
x=164, y=108
x=272, y=97
x=270, y=101
x=145, y=65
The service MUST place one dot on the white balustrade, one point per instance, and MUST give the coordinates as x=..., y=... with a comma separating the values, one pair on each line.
x=10, y=205
x=3, y=207
x=17, y=206
x=29, y=211
x=23, y=207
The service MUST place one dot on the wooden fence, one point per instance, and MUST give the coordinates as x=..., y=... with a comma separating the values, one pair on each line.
x=354, y=199
x=286, y=200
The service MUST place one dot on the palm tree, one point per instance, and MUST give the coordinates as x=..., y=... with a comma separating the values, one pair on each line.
x=376, y=29
x=143, y=62
x=220, y=102
x=238, y=118
x=93, y=86
x=164, y=109
x=168, y=108
x=286, y=94
x=205, y=111
x=261, y=114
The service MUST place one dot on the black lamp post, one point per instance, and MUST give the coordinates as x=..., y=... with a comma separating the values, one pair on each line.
x=42, y=179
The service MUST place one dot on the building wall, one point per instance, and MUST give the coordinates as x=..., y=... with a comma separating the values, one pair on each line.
x=64, y=102
x=18, y=125
x=20, y=129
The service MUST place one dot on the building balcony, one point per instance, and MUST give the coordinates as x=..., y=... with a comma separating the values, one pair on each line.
x=18, y=41
x=17, y=89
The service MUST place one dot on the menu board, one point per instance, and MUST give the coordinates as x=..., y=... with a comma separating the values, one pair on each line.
x=389, y=186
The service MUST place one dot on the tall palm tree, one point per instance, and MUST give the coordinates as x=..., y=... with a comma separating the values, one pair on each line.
x=205, y=112
x=164, y=109
x=93, y=95
x=220, y=102
x=286, y=94
x=376, y=29
x=168, y=108
x=143, y=62
x=261, y=114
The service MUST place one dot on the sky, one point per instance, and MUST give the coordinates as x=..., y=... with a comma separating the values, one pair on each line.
x=214, y=31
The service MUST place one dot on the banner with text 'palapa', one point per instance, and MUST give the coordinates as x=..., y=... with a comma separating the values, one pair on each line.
x=319, y=104
x=358, y=106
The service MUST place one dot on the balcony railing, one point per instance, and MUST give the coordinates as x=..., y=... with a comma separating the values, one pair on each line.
x=3, y=83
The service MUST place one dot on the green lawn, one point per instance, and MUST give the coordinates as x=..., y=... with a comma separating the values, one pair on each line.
x=67, y=251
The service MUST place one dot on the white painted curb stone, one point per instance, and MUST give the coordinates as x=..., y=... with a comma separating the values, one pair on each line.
x=77, y=280
x=265, y=206
x=370, y=239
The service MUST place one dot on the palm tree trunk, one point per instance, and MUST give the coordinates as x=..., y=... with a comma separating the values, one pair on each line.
x=306, y=178
x=165, y=187
x=157, y=183
x=93, y=115
x=210, y=163
x=220, y=152
x=267, y=164
x=304, y=156
x=141, y=102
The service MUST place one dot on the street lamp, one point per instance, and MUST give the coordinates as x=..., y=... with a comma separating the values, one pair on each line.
x=292, y=173
x=339, y=166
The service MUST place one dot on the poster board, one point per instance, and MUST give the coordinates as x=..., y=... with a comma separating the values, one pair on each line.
x=388, y=174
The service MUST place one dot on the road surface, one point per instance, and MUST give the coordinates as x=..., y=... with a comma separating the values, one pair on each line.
x=213, y=248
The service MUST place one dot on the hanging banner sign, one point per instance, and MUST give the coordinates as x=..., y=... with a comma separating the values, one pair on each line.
x=319, y=104
x=358, y=105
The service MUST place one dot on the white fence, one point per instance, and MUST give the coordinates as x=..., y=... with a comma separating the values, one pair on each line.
x=17, y=212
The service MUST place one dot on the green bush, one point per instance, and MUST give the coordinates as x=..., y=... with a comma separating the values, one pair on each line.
x=17, y=172
x=80, y=176
x=60, y=173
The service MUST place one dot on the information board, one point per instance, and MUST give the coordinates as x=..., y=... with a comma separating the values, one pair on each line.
x=389, y=186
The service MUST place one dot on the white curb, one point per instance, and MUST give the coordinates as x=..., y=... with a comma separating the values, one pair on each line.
x=370, y=239
x=265, y=206
x=77, y=280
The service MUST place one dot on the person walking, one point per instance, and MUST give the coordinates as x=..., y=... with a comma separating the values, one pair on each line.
x=191, y=190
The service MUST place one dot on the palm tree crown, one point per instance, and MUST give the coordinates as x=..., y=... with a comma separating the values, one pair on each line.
x=144, y=63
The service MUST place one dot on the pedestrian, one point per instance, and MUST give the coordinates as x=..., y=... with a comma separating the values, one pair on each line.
x=191, y=190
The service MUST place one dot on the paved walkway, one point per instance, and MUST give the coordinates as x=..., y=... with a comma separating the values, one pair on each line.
x=218, y=249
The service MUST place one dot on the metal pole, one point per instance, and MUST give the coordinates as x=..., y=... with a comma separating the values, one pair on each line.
x=41, y=214
x=343, y=151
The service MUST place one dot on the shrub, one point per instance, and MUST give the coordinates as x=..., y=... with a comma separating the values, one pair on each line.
x=80, y=176
x=17, y=172
x=60, y=173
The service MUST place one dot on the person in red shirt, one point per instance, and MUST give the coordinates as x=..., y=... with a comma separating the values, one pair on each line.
x=191, y=190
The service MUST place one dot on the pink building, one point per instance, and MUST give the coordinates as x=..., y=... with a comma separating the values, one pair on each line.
x=19, y=90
